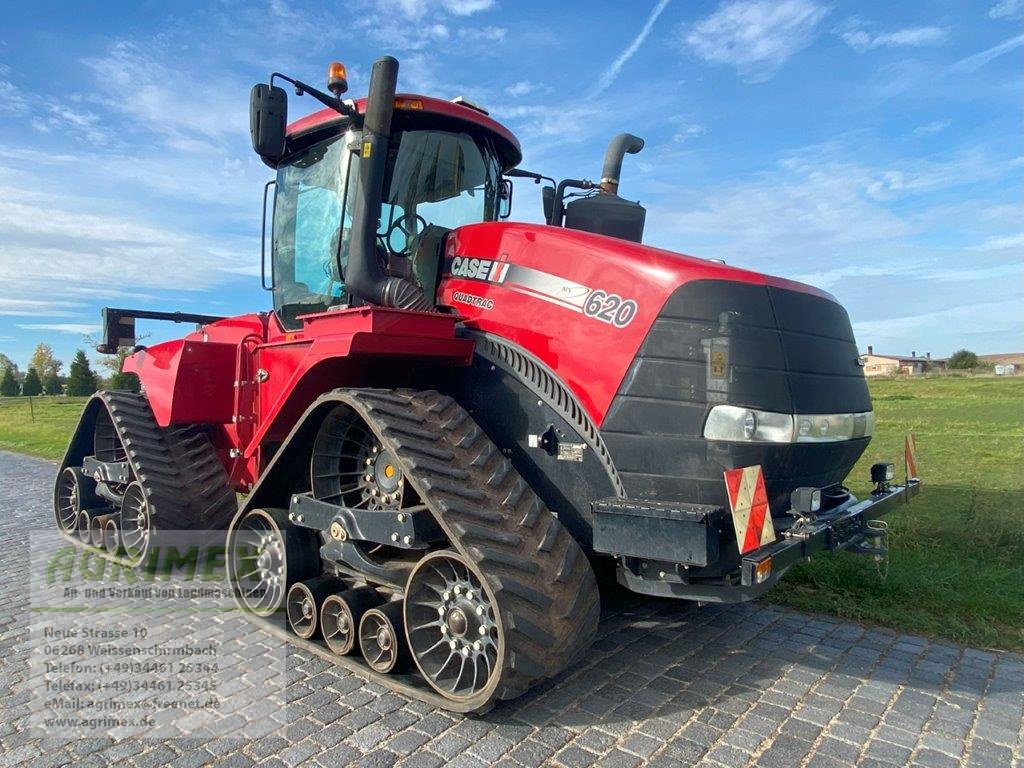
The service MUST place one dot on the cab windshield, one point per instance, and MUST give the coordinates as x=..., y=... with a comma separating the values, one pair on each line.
x=435, y=179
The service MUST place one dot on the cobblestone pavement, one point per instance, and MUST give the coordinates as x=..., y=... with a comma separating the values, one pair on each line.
x=667, y=683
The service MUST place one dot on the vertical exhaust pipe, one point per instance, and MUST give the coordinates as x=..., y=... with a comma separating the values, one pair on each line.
x=618, y=148
x=365, y=276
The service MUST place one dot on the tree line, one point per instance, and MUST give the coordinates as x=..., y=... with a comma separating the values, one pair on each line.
x=44, y=377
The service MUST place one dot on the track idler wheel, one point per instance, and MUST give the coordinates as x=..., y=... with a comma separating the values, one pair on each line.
x=382, y=638
x=266, y=556
x=135, y=524
x=76, y=491
x=96, y=528
x=84, y=527
x=453, y=626
x=340, y=615
x=304, y=601
x=111, y=536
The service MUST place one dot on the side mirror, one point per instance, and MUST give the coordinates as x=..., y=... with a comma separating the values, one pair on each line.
x=505, y=197
x=548, y=197
x=268, y=120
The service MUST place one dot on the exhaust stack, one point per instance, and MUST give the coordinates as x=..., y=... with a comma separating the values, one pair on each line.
x=365, y=277
x=620, y=146
x=606, y=213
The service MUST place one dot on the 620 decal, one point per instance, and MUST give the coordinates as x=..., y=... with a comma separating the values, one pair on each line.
x=610, y=308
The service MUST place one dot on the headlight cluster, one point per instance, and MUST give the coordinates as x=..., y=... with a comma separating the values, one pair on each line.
x=748, y=425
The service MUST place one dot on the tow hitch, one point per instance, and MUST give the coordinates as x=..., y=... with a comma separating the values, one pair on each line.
x=854, y=527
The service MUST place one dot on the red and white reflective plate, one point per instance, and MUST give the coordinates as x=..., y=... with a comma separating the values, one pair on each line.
x=749, y=503
x=910, y=456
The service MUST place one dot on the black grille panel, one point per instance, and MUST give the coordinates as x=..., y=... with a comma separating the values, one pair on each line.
x=748, y=345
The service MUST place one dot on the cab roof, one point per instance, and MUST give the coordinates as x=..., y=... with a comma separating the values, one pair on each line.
x=416, y=103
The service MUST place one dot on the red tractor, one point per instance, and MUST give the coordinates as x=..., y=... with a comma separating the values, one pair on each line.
x=449, y=421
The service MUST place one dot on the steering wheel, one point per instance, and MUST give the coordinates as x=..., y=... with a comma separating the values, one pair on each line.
x=411, y=225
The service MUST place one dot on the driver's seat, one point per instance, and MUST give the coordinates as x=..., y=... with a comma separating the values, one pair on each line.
x=425, y=263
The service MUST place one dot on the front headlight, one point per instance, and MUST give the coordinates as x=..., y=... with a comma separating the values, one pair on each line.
x=737, y=424
x=730, y=422
x=829, y=427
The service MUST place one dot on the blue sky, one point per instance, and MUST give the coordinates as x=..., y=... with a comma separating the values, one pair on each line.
x=872, y=149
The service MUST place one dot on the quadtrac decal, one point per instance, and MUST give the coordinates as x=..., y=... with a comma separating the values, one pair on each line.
x=472, y=300
x=597, y=303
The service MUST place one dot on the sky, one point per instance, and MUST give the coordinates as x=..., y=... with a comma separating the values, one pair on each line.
x=873, y=149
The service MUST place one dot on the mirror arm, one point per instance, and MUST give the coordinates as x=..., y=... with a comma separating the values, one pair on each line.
x=523, y=174
x=344, y=106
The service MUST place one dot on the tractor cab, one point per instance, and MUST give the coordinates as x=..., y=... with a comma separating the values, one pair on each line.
x=438, y=167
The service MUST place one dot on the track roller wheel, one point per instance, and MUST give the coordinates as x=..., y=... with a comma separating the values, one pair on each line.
x=266, y=555
x=304, y=601
x=76, y=491
x=340, y=615
x=96, y=526
x=135, y=523
x=454, y=628
x=111, y=536
x=382, y=638
x=84, y=528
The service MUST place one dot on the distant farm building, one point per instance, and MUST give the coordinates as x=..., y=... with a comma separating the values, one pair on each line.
x=1005, y=364
x=908, y=365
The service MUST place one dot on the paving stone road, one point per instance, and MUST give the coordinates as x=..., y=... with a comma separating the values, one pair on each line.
x=667, y=683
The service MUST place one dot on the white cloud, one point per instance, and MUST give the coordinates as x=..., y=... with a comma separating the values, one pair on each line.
x=86, y=249
x=467, y=7
x=419, y=25
x=12, y=100
x=214, y=111
x=37, y=307
x=46, y=115
x=936, y=126
x=1007, y=9
x=810, y=207
x=995, y=323
x=417, y=9
x=829, y=278
x=550, y=121
x=857, y=34
x=756, y=37
x=63, y=118
x=686, y=130
x=521, y=88
x=612, y=71
x=1002, y=243
x=483, y=34
x=980, y=59
x=82, y=329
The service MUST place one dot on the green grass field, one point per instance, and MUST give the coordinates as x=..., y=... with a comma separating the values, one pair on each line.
x=956, y=567
x=48, y=434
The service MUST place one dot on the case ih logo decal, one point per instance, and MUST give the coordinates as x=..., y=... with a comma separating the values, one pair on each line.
x=749, y=502
x=606, y=306
x=479, y=269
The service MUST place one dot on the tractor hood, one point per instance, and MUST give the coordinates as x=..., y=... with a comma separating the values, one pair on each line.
x=565, y=292
x=650, y=341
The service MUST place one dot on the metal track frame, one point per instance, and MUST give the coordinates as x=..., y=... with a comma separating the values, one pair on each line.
x=184, y=482
x=537, y=575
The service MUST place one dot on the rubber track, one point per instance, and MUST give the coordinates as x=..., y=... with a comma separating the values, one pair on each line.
x=540, y=578
x=184, y=482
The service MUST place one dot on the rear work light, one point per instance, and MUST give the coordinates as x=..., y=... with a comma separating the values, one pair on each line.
x=883, y=472
x=737, y=424
x=805, y=501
